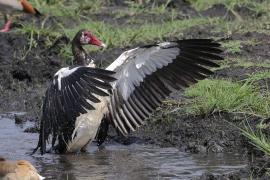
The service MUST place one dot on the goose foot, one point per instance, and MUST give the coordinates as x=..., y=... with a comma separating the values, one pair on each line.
x=6, y=26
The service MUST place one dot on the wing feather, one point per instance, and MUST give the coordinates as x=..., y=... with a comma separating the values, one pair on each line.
x=73, y=92
x=147, y=75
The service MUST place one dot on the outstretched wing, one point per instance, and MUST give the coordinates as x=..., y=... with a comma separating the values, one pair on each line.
x=147, y=75
x=73, y=92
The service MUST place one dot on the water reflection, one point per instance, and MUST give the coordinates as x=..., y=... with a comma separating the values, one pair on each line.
x=113, y=161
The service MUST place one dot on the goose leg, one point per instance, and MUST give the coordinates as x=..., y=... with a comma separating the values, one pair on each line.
x=7, y=25
x=103, y=131
x=83, y=149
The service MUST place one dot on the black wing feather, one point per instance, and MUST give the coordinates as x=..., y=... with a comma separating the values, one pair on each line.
x=61, y=106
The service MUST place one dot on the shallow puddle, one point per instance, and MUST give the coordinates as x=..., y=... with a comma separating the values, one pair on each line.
x=113, y=161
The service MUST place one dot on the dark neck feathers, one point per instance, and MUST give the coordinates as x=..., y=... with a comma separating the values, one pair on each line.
x=80, y=56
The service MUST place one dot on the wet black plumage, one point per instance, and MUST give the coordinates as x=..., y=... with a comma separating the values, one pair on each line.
x=62, y=106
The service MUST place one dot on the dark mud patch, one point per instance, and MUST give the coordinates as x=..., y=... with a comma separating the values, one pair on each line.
x=182, y=6
x=218, y=10
x=238, y=73
x=198, y=32
x=194, y=134
x=25, y=73
x=257, y=53
x=52, y=23
x=122, y=14
x=238, y=12
x=125, y=13
x=133, y=19
x=255, y=46
x=264, y=84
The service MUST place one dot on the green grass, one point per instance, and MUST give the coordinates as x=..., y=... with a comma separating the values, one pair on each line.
x=210, y=96
x=121, y=37
x=258, y=75
x=243, y=62
x=232, y=46
x=67, y=8
x=257, y=138
x=117, y=36
x=260, y=25
x=235, y=46
x=230, y=4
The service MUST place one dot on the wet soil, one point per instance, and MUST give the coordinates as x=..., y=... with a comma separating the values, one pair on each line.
x=238, y=73
x=257, y=50
x=25, y=73
x=220, y=10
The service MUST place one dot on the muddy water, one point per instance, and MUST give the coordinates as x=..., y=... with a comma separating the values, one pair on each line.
x=113, y=161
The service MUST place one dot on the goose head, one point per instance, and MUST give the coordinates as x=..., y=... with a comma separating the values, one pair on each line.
x=84, y=37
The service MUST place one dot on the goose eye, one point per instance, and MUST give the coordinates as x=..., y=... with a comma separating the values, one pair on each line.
x=85, y=38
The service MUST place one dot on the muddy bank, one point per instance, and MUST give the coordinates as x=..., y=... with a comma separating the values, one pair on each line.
x=25, y=73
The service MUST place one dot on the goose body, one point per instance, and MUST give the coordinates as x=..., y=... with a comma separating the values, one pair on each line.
x=9, y=6
x=86, y=126
x=82, y=102
x=18, y=170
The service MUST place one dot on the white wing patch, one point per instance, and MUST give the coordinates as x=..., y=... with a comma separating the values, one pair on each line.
x=166, y=44
x=40, y=177
x=63, y=72
x=120, y=60
x=141, y=62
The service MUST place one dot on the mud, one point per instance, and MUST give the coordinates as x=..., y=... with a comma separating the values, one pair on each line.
x=258, y=50
x=25, y=73
x=220, y=10
x=238, y=73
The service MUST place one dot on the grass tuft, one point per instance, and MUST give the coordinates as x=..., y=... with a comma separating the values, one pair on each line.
x=257, y=138
x=232, y=46
x=230, y=4
x=212, y=96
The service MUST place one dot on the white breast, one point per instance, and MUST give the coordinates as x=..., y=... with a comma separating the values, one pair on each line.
x=86, y=126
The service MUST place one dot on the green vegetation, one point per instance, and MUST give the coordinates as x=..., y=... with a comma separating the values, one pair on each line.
x=121, y=37
x=243, y=62
x=212, y=96
x=259, y=75
x=232, y=46
x=257, y=138
x=64, y=8
x=230, y=4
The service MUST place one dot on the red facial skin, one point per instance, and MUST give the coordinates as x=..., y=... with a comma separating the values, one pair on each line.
x=93, y=40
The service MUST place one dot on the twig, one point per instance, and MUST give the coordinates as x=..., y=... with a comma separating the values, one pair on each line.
x=237, y=15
